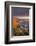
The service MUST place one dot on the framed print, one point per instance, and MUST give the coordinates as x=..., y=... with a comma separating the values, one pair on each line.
x=20, y=22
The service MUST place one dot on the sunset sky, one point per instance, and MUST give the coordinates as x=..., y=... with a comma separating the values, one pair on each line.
x=20, y=11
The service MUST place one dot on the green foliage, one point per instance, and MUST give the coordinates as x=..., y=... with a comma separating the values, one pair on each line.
x=20, y=32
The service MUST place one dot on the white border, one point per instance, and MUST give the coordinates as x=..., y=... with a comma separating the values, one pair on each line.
x=14, y=38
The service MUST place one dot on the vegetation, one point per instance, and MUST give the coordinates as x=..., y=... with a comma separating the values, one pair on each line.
x=18, y=31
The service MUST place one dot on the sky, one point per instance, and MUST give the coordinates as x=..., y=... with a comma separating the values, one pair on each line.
x=19, y=11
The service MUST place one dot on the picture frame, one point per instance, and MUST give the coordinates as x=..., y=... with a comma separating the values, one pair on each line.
x=24, y=14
